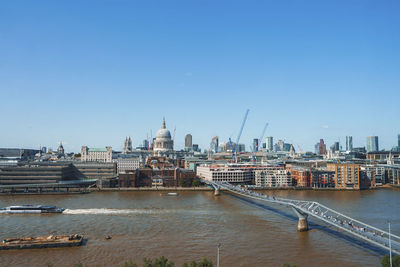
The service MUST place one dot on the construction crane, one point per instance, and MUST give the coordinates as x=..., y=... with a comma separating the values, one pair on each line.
x=173, y=138
x=234, y=146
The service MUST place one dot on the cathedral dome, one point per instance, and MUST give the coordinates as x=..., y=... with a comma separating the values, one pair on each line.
x=163, y=132
x=163, y=141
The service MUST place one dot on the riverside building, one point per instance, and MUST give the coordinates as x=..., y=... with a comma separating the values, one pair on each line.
x=347, y=175
x=272, y=176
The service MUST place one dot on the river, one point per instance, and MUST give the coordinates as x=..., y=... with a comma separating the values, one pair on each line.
x=189, y=227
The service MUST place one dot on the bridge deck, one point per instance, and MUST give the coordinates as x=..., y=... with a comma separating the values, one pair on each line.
x=356, y=228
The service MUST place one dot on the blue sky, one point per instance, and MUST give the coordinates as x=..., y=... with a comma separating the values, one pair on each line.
x=92, y=72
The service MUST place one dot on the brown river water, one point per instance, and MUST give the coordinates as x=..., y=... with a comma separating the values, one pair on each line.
x=189, y=227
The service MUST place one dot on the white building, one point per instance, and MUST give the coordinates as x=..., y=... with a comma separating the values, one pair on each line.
x=272, y=176
x=225, y=173
x=262, y=175
x=124, y=164
x=96, y=154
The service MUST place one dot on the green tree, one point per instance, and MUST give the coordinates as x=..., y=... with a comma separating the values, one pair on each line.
x=161, y=262
x=78, y=265
x=129, y=264
x=196, y=182
x=289, y=265
x=182, y=182
x=205, y=263
x=385, y=261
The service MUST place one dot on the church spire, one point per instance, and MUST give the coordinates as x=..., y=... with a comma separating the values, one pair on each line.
x=163, y=124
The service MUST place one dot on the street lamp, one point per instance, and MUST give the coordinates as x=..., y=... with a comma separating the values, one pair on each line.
x=218, y=246
x=390, y=247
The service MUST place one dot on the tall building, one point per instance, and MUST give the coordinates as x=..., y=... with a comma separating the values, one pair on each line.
x=270, y=143
x=372, y=144
x=335, y=147
x=214, y=144
x=255, y=145
x=145, y=144
x=188, y=142
x=320, y=148
x=349, y=143
x=398, y=141
x=127, y=145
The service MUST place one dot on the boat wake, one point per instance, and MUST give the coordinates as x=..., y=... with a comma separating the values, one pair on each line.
x=105, y=211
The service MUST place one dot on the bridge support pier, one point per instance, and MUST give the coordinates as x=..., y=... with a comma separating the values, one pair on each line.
x=216, y=191
x=302, y=225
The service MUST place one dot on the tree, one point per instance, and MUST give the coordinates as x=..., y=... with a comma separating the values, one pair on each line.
x=161, y=262
x=203, y=263
x=289, y=265
x=129, y=264
x=196, y=182
x=181, y=182
x=385, y=261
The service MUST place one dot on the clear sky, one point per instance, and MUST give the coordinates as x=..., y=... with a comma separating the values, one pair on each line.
x=93, y=72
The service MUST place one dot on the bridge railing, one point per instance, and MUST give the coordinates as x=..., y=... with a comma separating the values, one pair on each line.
x=355, y=227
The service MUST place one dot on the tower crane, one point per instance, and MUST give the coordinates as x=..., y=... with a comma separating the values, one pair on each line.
x=234, y=146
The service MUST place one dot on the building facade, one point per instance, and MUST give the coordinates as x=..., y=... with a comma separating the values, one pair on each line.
x=347, y=175
x=96, y=154
x=274, y=176
x=349, y=143
x=124, y=164
x=372, y=144
x=225, y=173
x=214, y=145
x=188, y=142
x=269, y=143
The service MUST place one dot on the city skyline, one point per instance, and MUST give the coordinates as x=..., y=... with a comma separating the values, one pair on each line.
x=98, y=73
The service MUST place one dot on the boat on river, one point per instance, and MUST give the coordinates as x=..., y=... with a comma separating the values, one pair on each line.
x=51, y=241
x=172, y=194
x=30, y=209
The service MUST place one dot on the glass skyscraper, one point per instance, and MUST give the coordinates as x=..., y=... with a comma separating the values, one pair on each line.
x=349, y=143
x=372, y=144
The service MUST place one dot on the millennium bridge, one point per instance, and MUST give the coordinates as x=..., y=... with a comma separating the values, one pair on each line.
x=303, y=209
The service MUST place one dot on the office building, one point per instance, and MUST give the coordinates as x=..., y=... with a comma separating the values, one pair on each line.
x=255, y=145
x=225, y=173
x=125, y=164
x=214, y=144
x=96, y=154
x=145, y=144
x=270, y=143
x=188, y=142
x=320, y=148
x=372, y=144
x=335, y=147
x=349, y=143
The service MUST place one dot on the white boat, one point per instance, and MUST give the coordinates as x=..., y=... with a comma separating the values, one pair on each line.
x=30, y=209
x=172, y=194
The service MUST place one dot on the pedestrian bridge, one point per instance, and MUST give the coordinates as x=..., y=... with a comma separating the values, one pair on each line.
x=303, y=209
